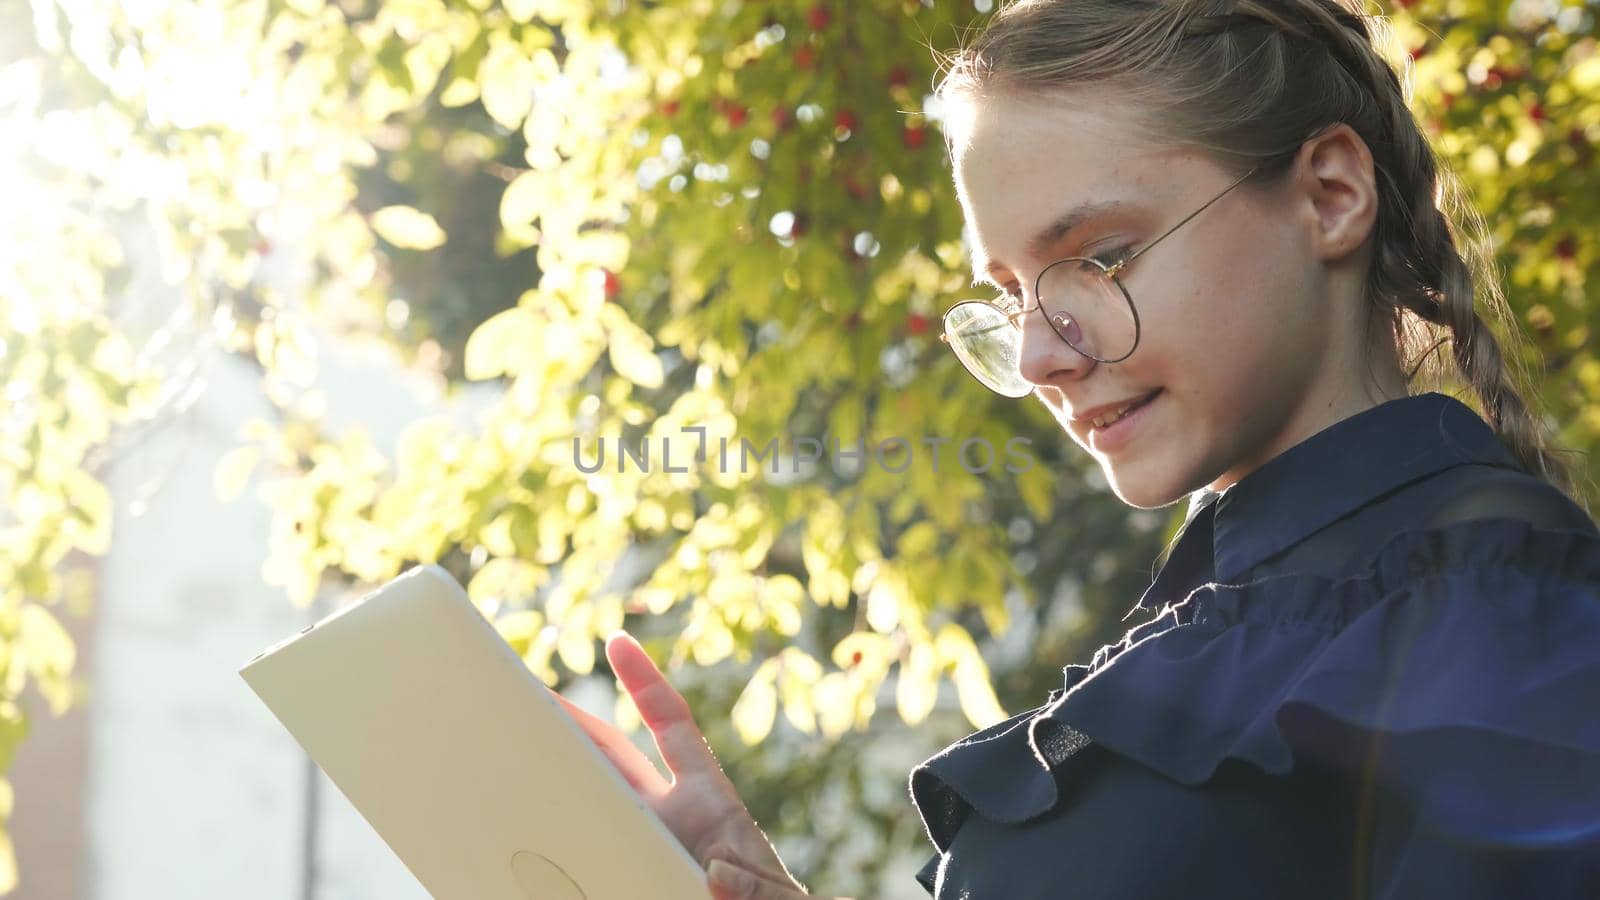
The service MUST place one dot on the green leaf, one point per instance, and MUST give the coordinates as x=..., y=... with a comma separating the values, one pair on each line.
x=501, y=345
x=835, y=702
x=509, y=580
x=886, y=598
x=575, y=642
x=90, y=503
x=757, y=707
x=49, y=653
x=522, y=199
x=506, y=79
x=632, y=354
x=408, y=227
x=8, y=864
x=233, y=470
x=954, y=648
x=918, y=686
x=519, y=628
x=521, y=11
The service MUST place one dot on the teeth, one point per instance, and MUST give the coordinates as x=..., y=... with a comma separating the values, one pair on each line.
x=1103, y=421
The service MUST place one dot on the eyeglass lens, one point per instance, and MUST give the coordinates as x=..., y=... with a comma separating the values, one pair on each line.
x=1087, y=309
x=1084, y=306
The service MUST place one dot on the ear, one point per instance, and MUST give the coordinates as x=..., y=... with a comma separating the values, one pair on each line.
x=1335, y=173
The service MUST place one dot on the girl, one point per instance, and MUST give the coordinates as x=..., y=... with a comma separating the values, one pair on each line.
x=1373, y=659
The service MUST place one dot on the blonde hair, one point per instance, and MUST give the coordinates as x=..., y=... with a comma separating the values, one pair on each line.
x=1250, y=81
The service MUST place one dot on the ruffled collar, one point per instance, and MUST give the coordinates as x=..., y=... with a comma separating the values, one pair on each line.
x=1470, y=674
x=1228, y=669
x=1315, y=483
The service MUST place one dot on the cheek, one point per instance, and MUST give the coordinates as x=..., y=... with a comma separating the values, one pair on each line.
x=1219, y=314
x=1056, y=403
x=1181, y=328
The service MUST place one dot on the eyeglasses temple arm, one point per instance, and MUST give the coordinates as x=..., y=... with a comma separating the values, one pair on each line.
x=1118, y=267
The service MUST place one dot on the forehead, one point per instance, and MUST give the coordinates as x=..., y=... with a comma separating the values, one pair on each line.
x=1022, y=163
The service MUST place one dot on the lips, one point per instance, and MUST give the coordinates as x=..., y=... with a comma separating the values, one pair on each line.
x=1108, y=412
x=1116, y=436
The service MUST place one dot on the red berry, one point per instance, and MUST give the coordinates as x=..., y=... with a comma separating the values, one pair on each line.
x=855, y=188
x=845, y=119
x=1404, y=4
x=782, y=117
x=917, y=323
x=818, y=18
x=1536, y=112
x=855, y=658
x=1449, y=100
x=669, y=108
x=736, y=114
x=915, y=136
x=898, y=77
x=805, y=57
x=1566, y=248
x=1418, y=52
x=613, y=284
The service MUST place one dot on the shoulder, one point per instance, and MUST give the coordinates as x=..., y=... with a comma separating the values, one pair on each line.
x=1472, y=525
x=1475, y=492
x=1453, y=536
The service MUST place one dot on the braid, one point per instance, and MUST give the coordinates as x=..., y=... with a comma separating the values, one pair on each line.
x=1417, y=265
x=1479, y=361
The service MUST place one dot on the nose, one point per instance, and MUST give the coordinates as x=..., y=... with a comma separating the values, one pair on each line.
x=1043, y=358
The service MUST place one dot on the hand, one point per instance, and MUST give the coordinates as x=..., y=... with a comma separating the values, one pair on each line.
x=700, y=806
x=729, y=882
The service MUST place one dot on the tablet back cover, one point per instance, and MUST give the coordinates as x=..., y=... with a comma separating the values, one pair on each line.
x=458, y=757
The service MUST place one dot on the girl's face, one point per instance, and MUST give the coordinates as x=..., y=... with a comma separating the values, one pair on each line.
x=1238, y=331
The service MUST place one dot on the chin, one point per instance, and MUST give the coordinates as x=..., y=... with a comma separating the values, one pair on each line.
x=1144, y=493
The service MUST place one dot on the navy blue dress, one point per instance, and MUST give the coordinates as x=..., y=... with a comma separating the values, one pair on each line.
x=1372, y=671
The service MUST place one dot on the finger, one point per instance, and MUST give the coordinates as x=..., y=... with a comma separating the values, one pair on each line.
x=664, y=711
x=745, y=851
x=729, y=882
x=637, y=768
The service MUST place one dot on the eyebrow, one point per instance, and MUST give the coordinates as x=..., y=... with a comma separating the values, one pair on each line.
x=1047, y=236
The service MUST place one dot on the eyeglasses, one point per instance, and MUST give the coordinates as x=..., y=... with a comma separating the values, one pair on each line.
x=1082, y=298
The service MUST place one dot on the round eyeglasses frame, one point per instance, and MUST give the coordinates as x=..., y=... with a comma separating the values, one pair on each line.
x=1013, y=317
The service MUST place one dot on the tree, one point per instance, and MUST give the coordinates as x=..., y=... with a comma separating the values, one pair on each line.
x=661, y=230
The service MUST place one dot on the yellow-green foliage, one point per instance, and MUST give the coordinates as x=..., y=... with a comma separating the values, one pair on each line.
x=738, y=231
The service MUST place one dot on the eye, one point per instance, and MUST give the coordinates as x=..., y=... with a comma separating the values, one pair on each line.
x=1009, y=300
x=1110, y=256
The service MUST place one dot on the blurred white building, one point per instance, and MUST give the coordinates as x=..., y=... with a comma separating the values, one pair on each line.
x=173, y=780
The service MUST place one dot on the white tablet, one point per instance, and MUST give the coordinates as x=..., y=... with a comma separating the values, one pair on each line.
x=460, y=758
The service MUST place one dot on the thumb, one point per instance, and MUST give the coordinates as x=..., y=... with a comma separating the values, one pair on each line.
x=729, y=882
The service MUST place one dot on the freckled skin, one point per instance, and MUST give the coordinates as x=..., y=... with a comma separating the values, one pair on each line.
x=1251, y=313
